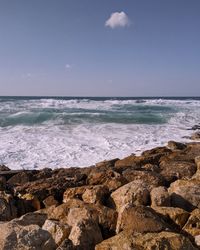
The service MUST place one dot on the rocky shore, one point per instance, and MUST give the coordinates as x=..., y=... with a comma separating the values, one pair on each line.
x=149, y=202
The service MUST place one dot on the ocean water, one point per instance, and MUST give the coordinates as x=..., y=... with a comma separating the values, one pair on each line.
x=37, y=132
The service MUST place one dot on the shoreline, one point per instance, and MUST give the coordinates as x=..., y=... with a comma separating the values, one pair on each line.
x=92, y=207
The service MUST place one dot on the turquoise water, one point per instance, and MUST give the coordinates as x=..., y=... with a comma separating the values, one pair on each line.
x=52, y=132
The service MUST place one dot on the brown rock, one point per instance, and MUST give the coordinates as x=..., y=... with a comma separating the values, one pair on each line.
x=8, y=210
x=95, y=194
x=75, y=192
x=148, y=241
x=58, y=231
x=2, y=183
x=29, y=237
x=133, y=193
x=173, y=170
x=144, y=219
x=185, y=194
x=85, y=234
x=176, y=145
x=160, y=197
x=173, y=214
x=50, y=201
x=151, y=179
x=193, y=224
x=195, y=136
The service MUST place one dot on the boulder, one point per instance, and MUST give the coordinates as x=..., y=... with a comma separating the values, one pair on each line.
x=50, y=201
x=58, y=231
x=96, y=194
x=173, y=170
x=185, y=194
x=85, y=234
x=8, y=210
x=31, y=219
x=160, y=197
x=75, y=192
x=133, y=193
x=176, y=145
x=195, y=136
x=148, y=241
x=151, y=179
x=173, y=215
x=139, y=219
x=16, y=236
x=2, y=183
x=193, y=224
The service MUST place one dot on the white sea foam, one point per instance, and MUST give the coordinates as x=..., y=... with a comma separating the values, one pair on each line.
x=55, y=143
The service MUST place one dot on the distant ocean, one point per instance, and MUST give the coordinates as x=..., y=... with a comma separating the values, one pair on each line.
x=37, y=132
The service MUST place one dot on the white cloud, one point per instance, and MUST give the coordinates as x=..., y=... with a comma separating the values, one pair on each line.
x=68, y=66
x=117, y=19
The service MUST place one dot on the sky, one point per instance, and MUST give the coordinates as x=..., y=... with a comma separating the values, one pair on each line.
x=100, y=47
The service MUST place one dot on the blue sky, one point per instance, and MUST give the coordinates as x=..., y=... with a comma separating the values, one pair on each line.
x=64, y=47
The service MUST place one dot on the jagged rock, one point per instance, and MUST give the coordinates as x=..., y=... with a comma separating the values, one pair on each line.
x=149, y=241
x=31, y=219
x=85, y=234
x=2, y=183
x=107, y=164
x=173, y=215
x=193, y=224
x=4, y=168
x=95, y=194
x=75, y=192
x=151, y=179
x=66, y=245
x=185, y=194
x=8, y=210
x=173, y=170
x=58, y=231
x=106, y=177
x=144, y=219
x=78, y=214
x=151, y=167
x=17, y=236
x=160, y=197
x=20, y=178
x=176, y=145
x=133, y=193
x=195, y=136
x=50, y=201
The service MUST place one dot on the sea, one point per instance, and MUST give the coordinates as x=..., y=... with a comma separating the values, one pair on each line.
x=53, y=132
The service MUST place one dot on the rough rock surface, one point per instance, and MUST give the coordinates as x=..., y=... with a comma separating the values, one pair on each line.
x=151, y=202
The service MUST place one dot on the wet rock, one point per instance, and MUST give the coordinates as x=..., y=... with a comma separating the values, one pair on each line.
x=107, y=164
x=176, y=145
x=58, y=231
x=195, y=136
x=20, y=178
x=160, y=197
x=144, y=219
x=133, y=193
x=4, y=168
x=185, y=194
